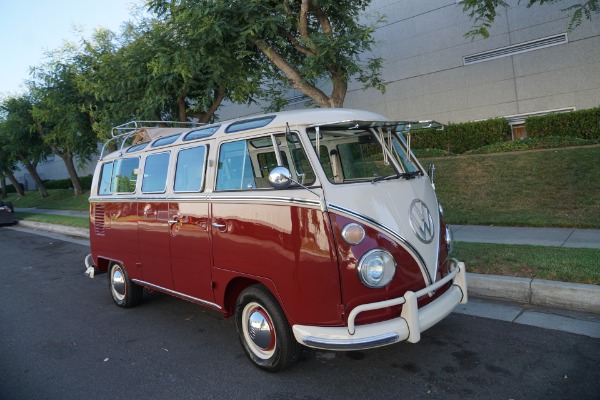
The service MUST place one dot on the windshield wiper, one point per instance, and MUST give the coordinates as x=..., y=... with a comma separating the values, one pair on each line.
x=404, y=175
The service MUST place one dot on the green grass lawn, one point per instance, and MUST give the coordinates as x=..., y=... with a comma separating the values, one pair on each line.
x=552, y=263
x=59, y=199
x=547, y=188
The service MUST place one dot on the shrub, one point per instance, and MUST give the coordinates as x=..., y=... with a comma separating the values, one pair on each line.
x=459, y=138
x=86, y=183
x=584, y=124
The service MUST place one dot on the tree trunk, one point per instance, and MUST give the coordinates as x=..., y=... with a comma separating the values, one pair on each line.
x=218, y=97
x=182, y=108
x=34, y=175
x=68, y=159
x=3, y=183
x=18, y=187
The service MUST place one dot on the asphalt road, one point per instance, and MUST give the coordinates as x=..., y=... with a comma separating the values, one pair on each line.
x=61, y=337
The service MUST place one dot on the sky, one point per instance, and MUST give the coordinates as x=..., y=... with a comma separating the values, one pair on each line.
x=29, y=28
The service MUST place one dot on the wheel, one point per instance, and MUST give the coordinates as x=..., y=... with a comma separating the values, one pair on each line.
x=124, y=292
x=264, y=332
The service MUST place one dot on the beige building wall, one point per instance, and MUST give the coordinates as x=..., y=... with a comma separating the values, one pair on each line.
x=424, y=47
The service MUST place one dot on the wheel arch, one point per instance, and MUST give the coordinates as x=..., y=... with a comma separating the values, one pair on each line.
x=236, y=285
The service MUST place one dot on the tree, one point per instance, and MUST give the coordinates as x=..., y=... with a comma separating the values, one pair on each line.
x=19, y=139
x=7, y=166
x=153, y=71
x=484, y=12
x=59, y=113
x=303, y=44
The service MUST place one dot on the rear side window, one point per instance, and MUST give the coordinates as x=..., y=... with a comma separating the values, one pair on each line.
x=155, y=173
x=105, y=177
x=124, y=175
x=189, y=173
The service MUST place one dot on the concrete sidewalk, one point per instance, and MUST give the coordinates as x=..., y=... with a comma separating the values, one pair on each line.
x=555, y=237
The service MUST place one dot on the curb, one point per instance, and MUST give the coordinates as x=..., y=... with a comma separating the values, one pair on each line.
x=66, y=230
x=538, y=292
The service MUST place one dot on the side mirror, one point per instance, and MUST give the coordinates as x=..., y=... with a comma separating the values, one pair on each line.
x=280, y=177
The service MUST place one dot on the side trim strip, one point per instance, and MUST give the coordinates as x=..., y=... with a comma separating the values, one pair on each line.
x=177, y=294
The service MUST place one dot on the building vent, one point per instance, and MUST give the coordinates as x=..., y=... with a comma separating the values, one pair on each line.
x=516, y=49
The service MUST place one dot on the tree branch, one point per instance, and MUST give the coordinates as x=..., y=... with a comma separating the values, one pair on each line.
x=297, y=45
x=296, y=80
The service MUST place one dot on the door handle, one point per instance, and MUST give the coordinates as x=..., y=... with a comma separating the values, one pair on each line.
x=219, y=226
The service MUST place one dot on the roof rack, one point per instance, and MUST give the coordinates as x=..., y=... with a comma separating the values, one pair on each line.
x=144, y=131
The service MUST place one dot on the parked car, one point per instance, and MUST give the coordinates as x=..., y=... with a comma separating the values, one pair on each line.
x=311, y=227
x=7, y=213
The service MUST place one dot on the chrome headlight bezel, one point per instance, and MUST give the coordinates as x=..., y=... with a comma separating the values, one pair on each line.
x=376, y=268
x=449, y=240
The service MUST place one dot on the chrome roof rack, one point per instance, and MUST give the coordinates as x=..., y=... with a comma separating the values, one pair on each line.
x=145, y=131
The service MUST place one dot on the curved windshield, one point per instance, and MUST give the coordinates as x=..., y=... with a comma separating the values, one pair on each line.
x=371, y=154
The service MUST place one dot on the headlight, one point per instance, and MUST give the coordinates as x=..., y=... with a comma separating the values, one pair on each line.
x=376, y=268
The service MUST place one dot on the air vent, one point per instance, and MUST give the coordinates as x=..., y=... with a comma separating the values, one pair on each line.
x=99, y=227
x=516, y=49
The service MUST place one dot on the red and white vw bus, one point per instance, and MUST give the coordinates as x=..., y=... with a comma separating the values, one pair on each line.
x=314, y=227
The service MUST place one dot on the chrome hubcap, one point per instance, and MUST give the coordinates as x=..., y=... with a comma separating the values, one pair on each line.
x=117, y=281
x=258, y=330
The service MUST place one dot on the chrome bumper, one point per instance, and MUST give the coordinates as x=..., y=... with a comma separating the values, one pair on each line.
x=408, y=326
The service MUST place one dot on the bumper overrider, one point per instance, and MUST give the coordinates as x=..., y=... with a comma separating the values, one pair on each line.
x=408, y=326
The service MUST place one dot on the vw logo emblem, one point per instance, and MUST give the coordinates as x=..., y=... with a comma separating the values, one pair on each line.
x=421, y=221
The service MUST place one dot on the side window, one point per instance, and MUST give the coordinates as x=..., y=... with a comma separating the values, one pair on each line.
x=189, y=173
x=246, y=164
x=104, y=188
x=124, y=175
x=235, y=167
x=300, y=168
x=155, y=173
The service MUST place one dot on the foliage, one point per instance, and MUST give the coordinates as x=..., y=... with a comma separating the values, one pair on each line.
x=304, y=44
x=157, y=70
x=484, y=12
x=61, y=119
x=583, y=124
x=16, y=130
x=86, y=183
x=459, y=138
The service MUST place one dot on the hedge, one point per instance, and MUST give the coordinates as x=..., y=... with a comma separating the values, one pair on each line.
x=86, y=183
x=462, y=137
x=583, y=124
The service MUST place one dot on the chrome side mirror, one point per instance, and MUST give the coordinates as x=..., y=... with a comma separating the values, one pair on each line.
x=280, y=177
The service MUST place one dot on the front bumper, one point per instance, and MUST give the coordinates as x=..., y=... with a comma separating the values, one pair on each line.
x=408, y=326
